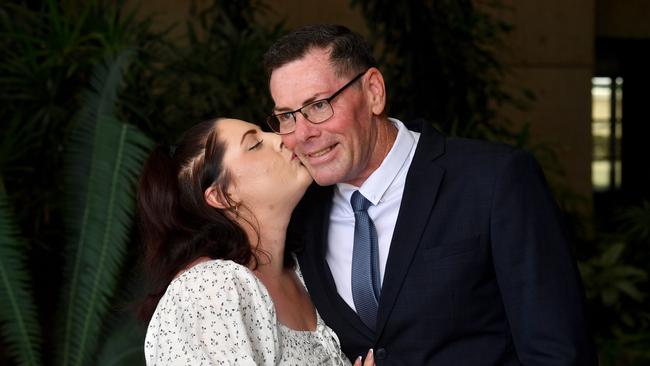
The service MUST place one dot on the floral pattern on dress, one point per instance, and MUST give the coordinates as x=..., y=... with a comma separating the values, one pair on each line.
x=219, y=313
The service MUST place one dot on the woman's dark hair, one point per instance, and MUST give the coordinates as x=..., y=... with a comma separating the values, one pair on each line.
x=177, y=225
x=349, y=52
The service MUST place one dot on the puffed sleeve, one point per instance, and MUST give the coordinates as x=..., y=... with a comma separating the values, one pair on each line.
x=216, y=313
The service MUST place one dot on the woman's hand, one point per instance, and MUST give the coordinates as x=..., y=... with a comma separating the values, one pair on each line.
x=369, y=361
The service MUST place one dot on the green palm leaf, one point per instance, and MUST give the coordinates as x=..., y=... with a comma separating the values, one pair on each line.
x=124, y=343
x=20, y=328
x=104, y=158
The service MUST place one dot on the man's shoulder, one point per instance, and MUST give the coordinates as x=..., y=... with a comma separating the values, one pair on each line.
x=466, y=158
x=457, y=147
x=477, y=148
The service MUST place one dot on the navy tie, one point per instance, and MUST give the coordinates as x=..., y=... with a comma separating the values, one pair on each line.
x=366, y=284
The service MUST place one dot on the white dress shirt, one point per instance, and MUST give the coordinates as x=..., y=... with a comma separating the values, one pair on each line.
x=384, y=188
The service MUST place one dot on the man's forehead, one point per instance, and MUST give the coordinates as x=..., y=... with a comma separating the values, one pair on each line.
x=300, y=81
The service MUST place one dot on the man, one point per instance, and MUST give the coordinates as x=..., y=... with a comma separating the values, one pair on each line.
x=430, y=250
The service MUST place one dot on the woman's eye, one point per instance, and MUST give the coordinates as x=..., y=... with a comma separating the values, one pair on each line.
x=257, y=145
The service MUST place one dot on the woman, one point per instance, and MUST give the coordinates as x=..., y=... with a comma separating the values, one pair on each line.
x=214, y=213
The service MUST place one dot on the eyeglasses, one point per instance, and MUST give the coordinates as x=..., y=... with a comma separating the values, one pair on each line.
x=315, y=112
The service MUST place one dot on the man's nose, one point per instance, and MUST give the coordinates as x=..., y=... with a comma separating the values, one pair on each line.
x=304, y=129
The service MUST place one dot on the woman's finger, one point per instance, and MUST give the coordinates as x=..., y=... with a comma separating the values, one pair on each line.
x=357, y=362
x=370, y=358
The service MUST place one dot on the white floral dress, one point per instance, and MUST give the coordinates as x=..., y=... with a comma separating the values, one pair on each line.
x=219, y=313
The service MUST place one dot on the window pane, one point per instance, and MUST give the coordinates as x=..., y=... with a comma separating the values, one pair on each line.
x=600, y=175
x=619, y=98
x=618, y=127
x=600, y=131
x=601, y=97
x=606, y=131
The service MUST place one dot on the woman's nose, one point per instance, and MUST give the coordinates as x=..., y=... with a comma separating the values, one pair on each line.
x=276, y=141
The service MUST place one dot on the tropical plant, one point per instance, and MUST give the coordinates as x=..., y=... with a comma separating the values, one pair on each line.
x=123, y=345
x=608, y=279
x=213, y=69
x=104, y=157
x=104, y=160
x=616, y=280
x=440, y=62
x=50, y=50
x=18, y=316
x=69, y=161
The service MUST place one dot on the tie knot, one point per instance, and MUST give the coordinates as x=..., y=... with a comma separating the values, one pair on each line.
x=359, y=202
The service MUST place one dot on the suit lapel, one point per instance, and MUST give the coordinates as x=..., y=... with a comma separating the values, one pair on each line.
x=420, y=191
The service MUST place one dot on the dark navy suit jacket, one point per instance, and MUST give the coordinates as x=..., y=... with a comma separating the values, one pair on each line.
x=479, y=270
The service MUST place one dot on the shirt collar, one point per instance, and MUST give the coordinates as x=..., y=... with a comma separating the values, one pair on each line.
x=381, y=179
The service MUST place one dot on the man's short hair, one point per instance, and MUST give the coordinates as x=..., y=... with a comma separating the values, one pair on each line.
x=349, y=52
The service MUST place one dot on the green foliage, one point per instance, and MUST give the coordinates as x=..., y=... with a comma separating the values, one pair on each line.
x=70, y=162
x=615, y=276
x=103, y=162
x=18, y=317
x=439, y=62
x=213, y=70
x=105, y=157
x=608, y=278
x=50, y=49
x=123, y=344
x=634, y=222
x=626, y=350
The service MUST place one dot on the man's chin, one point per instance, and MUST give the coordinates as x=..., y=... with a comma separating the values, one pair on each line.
x=322, y=178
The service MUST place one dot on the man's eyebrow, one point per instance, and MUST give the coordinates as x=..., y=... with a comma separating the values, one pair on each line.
x=252, y=130
x=312, y=99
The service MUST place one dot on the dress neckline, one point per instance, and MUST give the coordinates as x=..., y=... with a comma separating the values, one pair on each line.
x=265, y=291
x=319, y=321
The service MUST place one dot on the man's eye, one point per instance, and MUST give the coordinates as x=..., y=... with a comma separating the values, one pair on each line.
x=256, y=146
x=284, y=117
x=320, y=105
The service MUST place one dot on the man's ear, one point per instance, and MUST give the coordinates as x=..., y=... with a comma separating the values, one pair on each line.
x=376, y=91
x=215, y=197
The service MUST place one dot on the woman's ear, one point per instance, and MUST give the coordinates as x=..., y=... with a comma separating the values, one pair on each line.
x=376, y=91
x=214, y=197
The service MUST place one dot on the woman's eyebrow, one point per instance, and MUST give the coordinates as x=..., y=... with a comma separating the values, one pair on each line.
x=252, y=130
